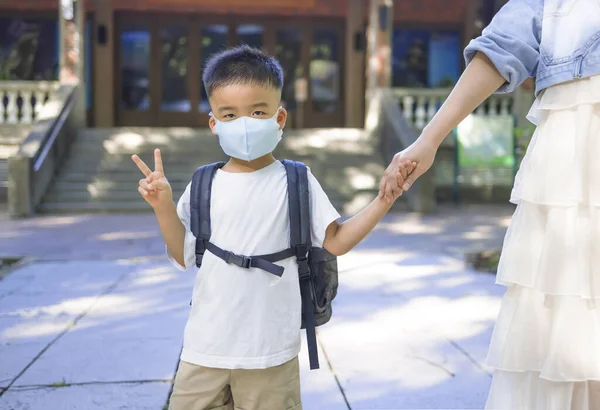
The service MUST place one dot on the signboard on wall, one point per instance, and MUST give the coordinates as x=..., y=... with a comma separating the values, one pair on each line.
x=486, y=141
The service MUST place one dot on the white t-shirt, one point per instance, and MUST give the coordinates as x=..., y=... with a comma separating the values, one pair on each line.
x=248, y=318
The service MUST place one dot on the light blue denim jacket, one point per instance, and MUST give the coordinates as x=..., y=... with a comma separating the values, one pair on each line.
x=552, y=40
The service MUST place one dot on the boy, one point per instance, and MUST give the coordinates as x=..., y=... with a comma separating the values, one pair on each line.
x=242, y=338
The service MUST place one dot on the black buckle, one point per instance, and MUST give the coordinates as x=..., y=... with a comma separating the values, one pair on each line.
x=303, y=268
x=238, y=260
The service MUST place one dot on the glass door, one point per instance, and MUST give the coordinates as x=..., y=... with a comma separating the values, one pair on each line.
x=325, y=67
x=134, y=73
x=289, y=50
x=175, y=100
x=160, y=61
x=311, y=56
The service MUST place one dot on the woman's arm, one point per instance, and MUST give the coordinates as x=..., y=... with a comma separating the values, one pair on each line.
x=504, y=56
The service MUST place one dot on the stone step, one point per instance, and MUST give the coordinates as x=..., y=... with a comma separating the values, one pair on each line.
x=107, y=186
x=144, y=133
x=125, y=177
x=98, y=207
x=100, y=176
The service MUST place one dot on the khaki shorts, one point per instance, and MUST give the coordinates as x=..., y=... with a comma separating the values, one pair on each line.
x=204, y=388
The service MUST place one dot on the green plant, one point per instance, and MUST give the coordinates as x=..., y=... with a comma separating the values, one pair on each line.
x=523, y=137
x=446, y=82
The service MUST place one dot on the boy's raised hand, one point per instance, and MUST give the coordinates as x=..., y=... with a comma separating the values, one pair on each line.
x=154, y=188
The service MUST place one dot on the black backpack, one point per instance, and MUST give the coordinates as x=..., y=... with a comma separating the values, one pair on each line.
x=317, y=268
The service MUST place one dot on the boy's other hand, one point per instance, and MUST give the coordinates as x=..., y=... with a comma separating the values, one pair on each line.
x=154, y=187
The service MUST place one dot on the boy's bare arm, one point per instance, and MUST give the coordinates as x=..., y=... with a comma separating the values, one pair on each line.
x=341, y=238
x=156, y=190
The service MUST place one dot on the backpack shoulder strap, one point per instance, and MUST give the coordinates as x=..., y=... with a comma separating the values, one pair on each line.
x=200, y=196
x=299, y=205
x=300, y=241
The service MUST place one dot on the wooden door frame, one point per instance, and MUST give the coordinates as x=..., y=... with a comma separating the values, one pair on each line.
x=154, y=22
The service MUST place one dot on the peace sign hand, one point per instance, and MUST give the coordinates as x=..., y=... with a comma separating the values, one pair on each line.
x=154, y=188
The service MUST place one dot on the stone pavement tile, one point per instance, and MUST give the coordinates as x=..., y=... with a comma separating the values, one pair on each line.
x=396, y=369
x=398, y=323
x=57, y=287
x=23, y=338
x=131, y=396
x=319, y=388
x=77, y=359
x=82, y=236
x=152, y=301
x=133, y=332
x=43, y=300
x=14, y=358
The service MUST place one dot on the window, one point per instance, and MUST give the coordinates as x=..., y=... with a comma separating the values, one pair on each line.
x=28, y=49
x=425, y=58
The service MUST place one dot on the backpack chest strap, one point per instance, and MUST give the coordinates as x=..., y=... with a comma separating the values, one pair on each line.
x=263, y=262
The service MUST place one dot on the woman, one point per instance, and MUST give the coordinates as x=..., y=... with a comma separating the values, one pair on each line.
x=545, y=349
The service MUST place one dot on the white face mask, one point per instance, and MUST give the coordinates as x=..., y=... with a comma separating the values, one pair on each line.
x=248, y=138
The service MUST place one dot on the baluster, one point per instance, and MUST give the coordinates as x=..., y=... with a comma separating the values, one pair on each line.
x=2, y=110
x=40, y=97
x=12, y=110
x=431, y=108
x=26, y=109
x=481, y=109
x=493, y=110
x=504, y=104
x=407, y=106
x=420, y=113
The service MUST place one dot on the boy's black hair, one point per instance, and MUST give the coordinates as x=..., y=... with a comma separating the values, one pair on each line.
x=242, y=65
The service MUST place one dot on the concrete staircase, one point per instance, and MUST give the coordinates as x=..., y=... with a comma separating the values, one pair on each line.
x=99, y=175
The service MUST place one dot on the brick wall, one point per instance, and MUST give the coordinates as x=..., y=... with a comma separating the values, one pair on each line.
x=331, y=8
x=447, y=12
x=442, y=12
x=29, y=5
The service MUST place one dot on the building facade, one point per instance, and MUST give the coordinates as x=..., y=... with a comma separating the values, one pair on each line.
x=144, y=58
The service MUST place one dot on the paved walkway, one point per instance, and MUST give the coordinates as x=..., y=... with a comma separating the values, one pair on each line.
x=94, y=319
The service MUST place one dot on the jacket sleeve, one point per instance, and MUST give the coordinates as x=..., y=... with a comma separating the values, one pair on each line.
x=512, y=42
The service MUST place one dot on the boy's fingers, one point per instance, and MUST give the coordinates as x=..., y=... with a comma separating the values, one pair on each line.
x=382, y=188
x=141, y=165
x=144, y=184
x=159, y=184
x=158, y=165
x=403, y=171
x=142, y=191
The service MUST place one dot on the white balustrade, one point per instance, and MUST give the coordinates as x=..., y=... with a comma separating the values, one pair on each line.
x=21, y=101
x=419, y=105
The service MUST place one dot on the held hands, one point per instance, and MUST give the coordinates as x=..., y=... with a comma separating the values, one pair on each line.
x=154, y=188
x=401, y=172
x=420, y=156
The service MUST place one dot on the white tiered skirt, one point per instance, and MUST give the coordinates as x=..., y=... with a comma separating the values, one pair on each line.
x=545, y=349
